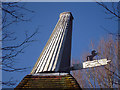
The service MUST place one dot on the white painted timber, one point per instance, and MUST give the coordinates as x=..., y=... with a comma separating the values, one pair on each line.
x=49, y=74
x=57, y=51
x=89, y=64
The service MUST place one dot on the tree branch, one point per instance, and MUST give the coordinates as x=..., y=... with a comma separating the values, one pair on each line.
x=106, y=8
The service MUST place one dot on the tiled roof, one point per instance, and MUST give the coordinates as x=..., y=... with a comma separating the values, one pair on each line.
x=65, y=81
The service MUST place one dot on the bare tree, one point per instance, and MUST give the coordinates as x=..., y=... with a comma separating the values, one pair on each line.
x=113, y=13
x=104, y=76
x=13, y=12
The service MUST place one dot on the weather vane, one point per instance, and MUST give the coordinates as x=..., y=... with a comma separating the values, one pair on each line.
x=90, y=62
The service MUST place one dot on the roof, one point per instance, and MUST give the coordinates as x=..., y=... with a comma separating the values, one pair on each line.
x=63, y=81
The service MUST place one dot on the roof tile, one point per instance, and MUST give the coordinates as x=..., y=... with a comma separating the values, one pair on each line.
x=62, y=81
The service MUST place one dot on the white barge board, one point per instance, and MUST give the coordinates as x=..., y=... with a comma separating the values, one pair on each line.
x=89, y=64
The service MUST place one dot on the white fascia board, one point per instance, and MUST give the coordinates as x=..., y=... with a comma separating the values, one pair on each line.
x=89, y=64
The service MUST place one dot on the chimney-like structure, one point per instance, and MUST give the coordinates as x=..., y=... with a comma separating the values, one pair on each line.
x=52, y=69
x=56, y=54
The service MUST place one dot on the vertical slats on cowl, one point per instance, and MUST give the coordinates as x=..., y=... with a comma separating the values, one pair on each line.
x=52, y=54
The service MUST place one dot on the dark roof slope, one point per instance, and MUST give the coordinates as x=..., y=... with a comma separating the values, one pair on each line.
x=51, y=81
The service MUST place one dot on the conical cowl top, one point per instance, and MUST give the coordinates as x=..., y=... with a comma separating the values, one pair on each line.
x=56, y=54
